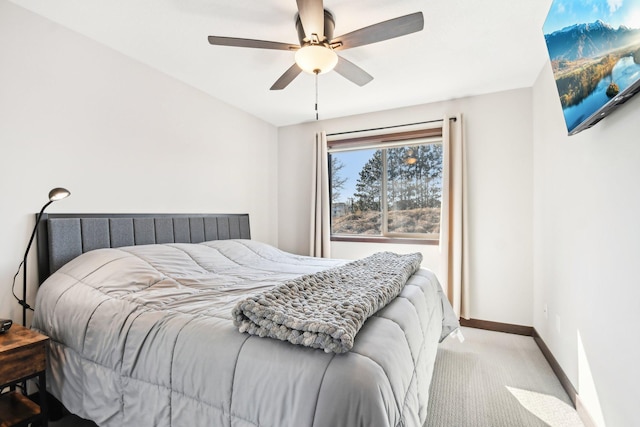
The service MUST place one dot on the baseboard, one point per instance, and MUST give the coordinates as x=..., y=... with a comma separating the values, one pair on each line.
x=555, y=366
x=497, y=326
x=584, y=415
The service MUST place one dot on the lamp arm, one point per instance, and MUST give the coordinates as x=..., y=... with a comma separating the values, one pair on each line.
x=23, y=301
x=35, y=228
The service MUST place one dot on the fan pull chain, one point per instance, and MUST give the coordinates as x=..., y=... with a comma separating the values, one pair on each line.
x=316, y=72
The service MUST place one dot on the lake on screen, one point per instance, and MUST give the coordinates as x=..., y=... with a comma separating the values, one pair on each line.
x=624, y=73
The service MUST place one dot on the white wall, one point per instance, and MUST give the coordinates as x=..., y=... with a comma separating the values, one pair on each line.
x=586, y=252
x=121, y=136
x=498, y=133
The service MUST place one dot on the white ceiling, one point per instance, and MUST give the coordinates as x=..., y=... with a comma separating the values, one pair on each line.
x=467, y=48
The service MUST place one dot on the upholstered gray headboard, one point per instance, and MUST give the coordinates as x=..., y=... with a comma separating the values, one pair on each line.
x=62, y=237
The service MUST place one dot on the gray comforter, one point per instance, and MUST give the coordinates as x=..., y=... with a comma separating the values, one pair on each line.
x=143, y=336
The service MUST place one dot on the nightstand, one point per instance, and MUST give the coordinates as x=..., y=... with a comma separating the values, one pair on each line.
x=23, y=355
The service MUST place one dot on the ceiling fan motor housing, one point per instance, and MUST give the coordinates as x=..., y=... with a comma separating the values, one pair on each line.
x=329, y=25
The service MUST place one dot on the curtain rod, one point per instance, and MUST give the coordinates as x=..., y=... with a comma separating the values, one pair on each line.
x=389, y=127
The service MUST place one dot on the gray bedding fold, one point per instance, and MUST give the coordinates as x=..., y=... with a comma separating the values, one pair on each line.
x=327, y=309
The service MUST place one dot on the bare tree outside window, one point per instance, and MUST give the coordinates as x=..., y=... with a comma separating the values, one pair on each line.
x=337, y=180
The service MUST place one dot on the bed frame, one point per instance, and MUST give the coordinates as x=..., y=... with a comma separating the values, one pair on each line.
x=62, y=237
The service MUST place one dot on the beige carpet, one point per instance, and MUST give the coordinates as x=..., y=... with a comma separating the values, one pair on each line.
x=493, y=380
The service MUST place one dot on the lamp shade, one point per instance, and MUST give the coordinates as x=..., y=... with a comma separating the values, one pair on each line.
x=58, y=194
x=316, y=59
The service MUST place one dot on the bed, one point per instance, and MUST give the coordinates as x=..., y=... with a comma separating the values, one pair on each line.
x=139, y=312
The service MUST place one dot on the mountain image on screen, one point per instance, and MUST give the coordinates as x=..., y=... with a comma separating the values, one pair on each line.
x=593, y=64
x=589, y=40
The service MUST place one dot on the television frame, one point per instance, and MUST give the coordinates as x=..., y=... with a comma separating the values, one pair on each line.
x=597, y=22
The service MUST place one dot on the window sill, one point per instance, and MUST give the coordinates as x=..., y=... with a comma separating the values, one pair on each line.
x=382, y=239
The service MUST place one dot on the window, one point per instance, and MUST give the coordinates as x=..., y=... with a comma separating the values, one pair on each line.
x=387, y=187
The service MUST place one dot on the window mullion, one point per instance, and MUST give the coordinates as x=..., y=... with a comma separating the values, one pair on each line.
x=383, y=198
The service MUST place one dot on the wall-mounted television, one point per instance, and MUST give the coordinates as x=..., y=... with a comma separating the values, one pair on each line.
x=594, y=48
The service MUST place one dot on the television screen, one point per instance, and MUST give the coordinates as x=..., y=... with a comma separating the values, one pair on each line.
x=594, y=48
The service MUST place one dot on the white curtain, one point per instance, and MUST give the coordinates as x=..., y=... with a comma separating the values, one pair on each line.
x=320, y=222
x=454, y=246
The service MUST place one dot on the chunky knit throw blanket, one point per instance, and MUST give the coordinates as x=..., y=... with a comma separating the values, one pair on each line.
x=327, y=309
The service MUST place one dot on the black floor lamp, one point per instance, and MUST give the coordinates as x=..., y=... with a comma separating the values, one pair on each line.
x=54, y=195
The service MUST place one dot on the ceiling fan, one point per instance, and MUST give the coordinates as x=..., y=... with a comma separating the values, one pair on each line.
x=316, y=53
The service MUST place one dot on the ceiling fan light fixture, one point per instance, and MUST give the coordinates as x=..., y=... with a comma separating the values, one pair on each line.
x=316, y=59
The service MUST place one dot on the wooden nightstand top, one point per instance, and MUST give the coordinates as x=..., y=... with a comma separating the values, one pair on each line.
x=19, y=336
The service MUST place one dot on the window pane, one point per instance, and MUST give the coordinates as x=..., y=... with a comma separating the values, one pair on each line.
x=414, y=189
x=356, y=188
x=407, y=204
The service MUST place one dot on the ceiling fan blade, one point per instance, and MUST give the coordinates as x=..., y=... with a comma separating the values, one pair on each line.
x=386, y=30
x=258, y=44
x=312, y=17
x=287, y=77
x=351, y=71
